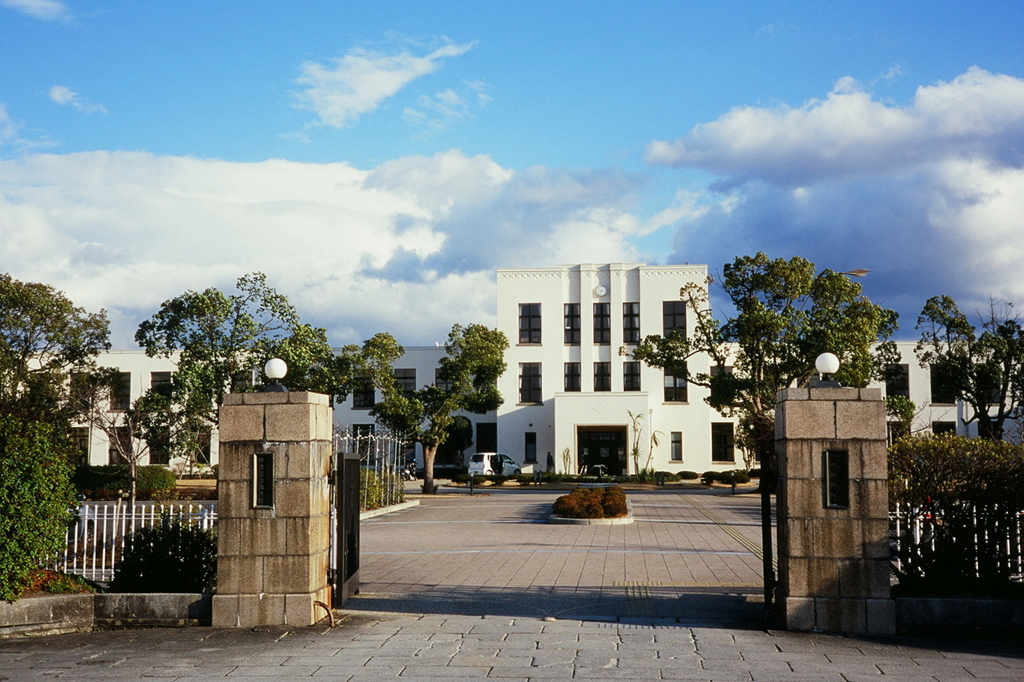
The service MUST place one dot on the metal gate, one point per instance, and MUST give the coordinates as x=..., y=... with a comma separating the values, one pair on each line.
x=366, y=474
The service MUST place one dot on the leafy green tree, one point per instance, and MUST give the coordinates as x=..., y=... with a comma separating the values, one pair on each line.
x=44, y=338
x=36, y=498
x=467, y=375
x=222, y=342
x=983, y=367
x=786, y=314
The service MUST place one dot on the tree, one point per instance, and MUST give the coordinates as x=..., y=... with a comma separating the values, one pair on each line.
x=786, y=314
x=43, y=339
x=984, y=370
x=223, y=341
x=467, y=382
x=35, y=495
x=134, y=433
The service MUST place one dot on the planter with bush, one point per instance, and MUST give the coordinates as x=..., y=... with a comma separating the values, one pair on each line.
x=606, y=504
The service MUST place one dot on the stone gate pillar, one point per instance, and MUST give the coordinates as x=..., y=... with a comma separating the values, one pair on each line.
x=833, y=511
x=273, y=530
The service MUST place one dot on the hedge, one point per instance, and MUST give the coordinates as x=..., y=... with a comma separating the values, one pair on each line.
x=968, y=495
x=111, y=477
x=35, y=496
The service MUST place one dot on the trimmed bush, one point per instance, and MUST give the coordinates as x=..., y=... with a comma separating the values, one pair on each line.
x=168, y=557
x=592, y=503
x=969, y=494
x=35, y=498
x=152, y=480
x=689, y=475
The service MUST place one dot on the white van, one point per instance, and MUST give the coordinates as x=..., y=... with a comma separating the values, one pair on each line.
x=492, y=463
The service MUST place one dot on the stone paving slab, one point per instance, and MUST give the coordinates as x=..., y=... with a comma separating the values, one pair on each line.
x=561, y=650
x=485, y=590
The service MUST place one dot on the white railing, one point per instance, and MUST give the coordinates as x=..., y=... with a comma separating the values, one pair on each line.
x=97, y=537
x=920, y=526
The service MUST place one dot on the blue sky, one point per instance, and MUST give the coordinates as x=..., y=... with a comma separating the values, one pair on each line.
x=379, y=160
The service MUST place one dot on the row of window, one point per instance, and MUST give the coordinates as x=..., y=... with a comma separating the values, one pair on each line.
x=673, y=320
x=723, y=444
x=530, y=380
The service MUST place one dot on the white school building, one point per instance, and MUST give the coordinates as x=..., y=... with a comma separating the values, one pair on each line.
x=573, y=398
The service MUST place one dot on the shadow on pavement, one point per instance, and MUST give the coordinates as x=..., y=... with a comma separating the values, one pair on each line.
x=704, y=607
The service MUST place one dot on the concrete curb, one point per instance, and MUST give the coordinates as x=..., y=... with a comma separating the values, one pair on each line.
x=387, y=510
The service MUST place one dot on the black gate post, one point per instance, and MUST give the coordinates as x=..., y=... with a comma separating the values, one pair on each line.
x=346, y=546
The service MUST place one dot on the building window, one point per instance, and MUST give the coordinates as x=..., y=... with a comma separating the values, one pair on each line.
x=80, y=443
x=717, y=372
x=722, y=443
x=944, y=427
x=406, y=379
x=631, y=323
x=121, y=392
x=530, y=446
x=631, y=376
x=572, y=324
x=529, y=382
x=160, y=382
x=603, y=323
x=897, y=380
x=529, y=323
x=159, y=447
x=675, y=387
x=602, y=376
x=677, y=446
x=120, y=446
x=572, y=376
x=364, y=396
x=943, y=390
x=673, y=315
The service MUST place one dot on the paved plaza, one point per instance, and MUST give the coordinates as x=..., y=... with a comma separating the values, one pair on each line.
x=482, y=587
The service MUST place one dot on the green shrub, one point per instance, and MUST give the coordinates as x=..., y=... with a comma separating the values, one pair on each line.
x=524, y=479
x=460, y=478
x=379, y=488
x=592, y=503
x=667, y=476
x=35, y=500
x=103, y=480
x=969, y=494
x=169, y=557
x=755, y=472
x=689, y=475
x=709, y=477
x=497, y=480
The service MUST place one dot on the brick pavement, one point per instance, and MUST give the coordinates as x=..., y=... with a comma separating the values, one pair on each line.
x=474, y=560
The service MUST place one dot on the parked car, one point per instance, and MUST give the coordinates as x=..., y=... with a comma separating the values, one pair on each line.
x=492, y=463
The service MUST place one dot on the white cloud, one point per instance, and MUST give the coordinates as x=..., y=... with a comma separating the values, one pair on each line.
x=978, y=114
x=11, y=133
x=356, y=84
x=65, y=96
x=928, y=196
x=408, y=247
x=47, y=10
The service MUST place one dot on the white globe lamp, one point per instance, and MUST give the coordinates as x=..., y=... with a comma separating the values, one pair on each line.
x=827, y=364
x=275, y=369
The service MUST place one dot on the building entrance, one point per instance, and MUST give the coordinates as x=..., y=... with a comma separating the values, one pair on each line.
x=602, y=446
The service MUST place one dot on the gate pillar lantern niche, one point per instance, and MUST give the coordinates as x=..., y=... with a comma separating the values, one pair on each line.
x=832, y=505
x=273, y=530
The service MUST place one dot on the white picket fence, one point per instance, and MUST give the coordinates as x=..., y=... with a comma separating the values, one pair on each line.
x=96, y=539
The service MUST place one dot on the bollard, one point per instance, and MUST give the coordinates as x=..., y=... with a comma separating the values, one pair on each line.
x=732, y=475
x=471, y=484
